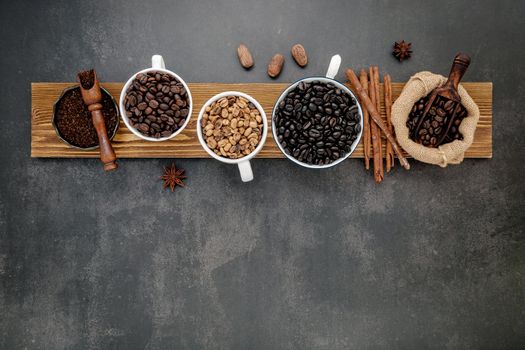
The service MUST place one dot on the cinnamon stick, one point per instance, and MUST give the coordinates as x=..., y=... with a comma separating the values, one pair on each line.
x=388, y=108
x=363, y=77
x=376, y=134
x=376, y=117
x=378, y=105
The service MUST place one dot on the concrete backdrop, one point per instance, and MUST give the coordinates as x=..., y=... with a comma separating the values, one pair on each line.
x=430, y=259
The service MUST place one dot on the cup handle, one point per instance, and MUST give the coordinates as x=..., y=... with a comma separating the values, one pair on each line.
x=246, y=171
x=157, y=62
x=333, y=68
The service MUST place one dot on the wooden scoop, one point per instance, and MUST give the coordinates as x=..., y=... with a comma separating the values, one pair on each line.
x=449, y=91
x=92, y=97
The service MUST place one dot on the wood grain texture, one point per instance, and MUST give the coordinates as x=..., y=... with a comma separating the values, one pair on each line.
x=45, y=143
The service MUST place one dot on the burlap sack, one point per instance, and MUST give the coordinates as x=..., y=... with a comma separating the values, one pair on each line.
x=419, y=86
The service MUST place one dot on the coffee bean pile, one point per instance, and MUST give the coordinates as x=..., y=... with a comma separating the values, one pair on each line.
x=440, y=125
x=232, y=127
x=317, y=122
x=157, y=104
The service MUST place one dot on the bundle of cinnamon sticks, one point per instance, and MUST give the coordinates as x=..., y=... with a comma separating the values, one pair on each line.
x=376, y=132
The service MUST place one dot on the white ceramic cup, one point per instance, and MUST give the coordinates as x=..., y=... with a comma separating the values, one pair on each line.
x=243, y=163
x=333, y=68
x=157, y=65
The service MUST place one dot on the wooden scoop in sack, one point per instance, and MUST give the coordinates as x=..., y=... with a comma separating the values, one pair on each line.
x=92, y=97
x=449, y=91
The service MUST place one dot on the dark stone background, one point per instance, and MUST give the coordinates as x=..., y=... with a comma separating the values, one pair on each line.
x=297, y=259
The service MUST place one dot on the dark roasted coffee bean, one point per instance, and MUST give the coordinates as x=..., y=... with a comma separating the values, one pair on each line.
x=449, y=106
x=142, y=78
x=132, y=100
x=143, y=127
x=153, y=104
x=150, y=100
x=309, y=119
x=438, y=122
x=314, y=133
x=149, y=96
x=333, y=122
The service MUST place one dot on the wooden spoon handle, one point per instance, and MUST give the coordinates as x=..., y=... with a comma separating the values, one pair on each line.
x=458, y=69
x=376, y=116
x=107, y=154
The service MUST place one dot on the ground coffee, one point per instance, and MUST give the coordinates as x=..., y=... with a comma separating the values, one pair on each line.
x=73, y=119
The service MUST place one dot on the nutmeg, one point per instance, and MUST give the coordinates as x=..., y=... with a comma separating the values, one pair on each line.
x=299, y=55
x=276, y=65
x=245, y=57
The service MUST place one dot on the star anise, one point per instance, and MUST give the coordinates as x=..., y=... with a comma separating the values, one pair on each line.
x=173, y=177
x=402, y=50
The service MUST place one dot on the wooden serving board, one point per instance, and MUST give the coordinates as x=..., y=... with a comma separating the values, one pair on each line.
x=45, y=143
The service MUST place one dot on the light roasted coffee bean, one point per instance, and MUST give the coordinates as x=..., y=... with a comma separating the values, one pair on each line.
x=232, y=127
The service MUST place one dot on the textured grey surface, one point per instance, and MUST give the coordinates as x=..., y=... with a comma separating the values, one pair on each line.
x=296, y=259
